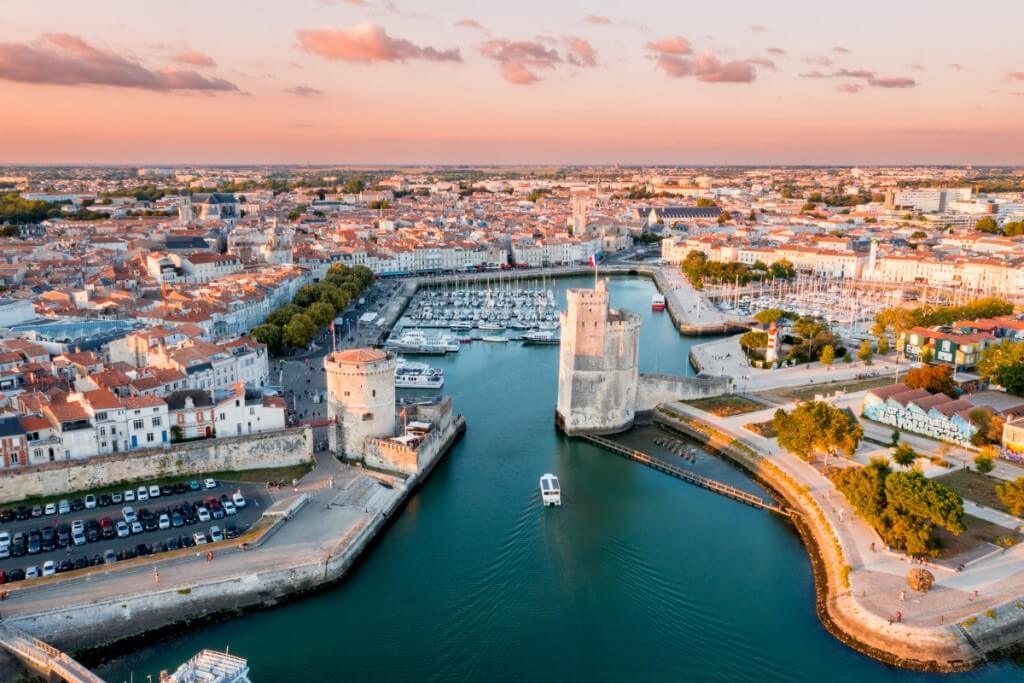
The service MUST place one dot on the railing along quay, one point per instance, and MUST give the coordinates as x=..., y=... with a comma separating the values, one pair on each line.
x=43, y=657
x=689, y=477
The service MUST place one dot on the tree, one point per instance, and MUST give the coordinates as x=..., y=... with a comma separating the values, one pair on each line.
x=928, y=356
x=828, y=355
x=321, y=313
x=755, y=339
x=724, y=217
x=783, y=268
x=768, y=315
x=1012, y=495
x=1003, y=365
x=883, y=345
x=705, y=203
x=298, y=331
x=990, y=427
x=271, y=335
x=816, y=426
x=984, y=463
x=864, y=353
x=918, y=235
x=904, y=455
x=355, y=185
x=934, y=378
x=987, y=224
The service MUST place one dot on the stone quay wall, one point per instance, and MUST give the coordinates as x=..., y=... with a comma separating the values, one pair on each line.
x=281, y=448
x=656, y=389
x=909, y=647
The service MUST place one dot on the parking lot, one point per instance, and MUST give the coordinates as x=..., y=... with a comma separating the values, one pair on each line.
x=53, y=536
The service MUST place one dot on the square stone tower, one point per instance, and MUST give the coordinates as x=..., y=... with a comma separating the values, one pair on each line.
x=360, y=398
x=598, y=374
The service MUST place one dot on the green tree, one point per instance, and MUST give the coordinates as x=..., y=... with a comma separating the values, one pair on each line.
x=755, y=339
x=705, y=203
x=299, y=330
x=783, y=269
x=987, y=224
x=768, y=315
x=904, y=455
x=355, y=185
x=321, y=313
x=984, y=463
x=934, y=378
x=828, y=355
x=865, y=353
x=271, y=335
x=817, y=427
x=883, y=345
x=990, y=427
x=894, y=438
x=1012, y=495
x=1003, y=365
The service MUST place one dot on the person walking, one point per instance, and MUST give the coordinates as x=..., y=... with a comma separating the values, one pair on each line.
x=156, y=576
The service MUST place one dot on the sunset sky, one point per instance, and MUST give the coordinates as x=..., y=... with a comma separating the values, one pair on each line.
x=404, y=81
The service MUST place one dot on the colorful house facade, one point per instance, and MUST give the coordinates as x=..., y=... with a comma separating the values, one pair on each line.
x=921, y=412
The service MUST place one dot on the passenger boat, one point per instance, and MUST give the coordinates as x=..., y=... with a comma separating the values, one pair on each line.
x=209, y=666
x=496, y=339
x=461, y=326
x=550, y=492
x=541, y=337
x=491, y=326
x=415, y=378
x=658, y=302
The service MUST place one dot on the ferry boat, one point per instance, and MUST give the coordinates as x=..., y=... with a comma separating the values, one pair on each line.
x=496, y=339
x=418, y=376
x=658, y=302
x=541, y=337
x=550, y=492
x=491, y=326
x=461, y=326
x=210, y=666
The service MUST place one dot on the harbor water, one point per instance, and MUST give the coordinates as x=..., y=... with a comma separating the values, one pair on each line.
x=636, y=577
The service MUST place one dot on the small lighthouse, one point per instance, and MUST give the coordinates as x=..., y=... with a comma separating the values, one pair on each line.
x=771, y=352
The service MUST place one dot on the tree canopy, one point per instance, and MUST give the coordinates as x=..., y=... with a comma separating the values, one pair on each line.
x=897, y=319
x=817, y=427
x=1004, y=365
x=1012, y=495
x=934, y=378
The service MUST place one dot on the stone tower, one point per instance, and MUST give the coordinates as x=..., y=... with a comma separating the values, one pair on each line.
x=597, y=369
x=580, y=205
x=771, y=351
x=360, y=398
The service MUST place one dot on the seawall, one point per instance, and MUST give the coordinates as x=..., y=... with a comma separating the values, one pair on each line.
x=99, y=626
x=281, y=448
x=940, y=649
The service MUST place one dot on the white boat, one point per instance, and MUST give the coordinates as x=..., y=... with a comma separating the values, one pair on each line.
x=461, y=325
x=496, y=339
x=550, y=491
x=491, y=326
x=658, y=302
x=210, y=666
x=541, y=337
x=418, y=380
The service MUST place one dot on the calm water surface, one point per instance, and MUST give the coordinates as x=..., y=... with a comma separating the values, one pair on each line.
x=637, y=577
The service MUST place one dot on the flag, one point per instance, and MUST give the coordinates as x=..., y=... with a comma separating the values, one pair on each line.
x=332, y=327
x=593, y=260
x=402, y=414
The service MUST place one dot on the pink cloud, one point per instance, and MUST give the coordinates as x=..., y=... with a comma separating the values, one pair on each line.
x=892, y=82
x=758, y=28
x=916, y=66
x=579, y=52
x=470, y=23
x=817, y=61
x=955, y=67
x=776, y=51
x=710, y=69
x=762, y=62
x=1015, y=76
x=65, y=59
x=676, y=67
x=675, y=45
x=305, y=91
x=368, y=43
x=597, y=19
x=849, y=87
x=518, y=74
x=853, y=73
x=840, y=50
x=193, y=58
x=869, y=76
x=518, y=58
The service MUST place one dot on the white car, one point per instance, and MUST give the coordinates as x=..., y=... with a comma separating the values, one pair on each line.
x=203, y=514
x=78, y=526
x=136, y=527
x=122, y=529
x=128, y=512
x=5, y=538
x=31, y=572
x=210, y=483
x=50, y=509
x=165, y=522
x=199, y=537
x=141, y=494
x=64, y=507
x=129, y=496
x=90, y=502
x=229, y=507
x=49, y=568
x=116, y=498
x=239, y=500
x=154, y=491
x=5, y=552
x=216, y=535
x=78, y=538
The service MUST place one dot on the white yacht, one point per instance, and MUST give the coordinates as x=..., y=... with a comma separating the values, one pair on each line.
x=418, y=376
x=210, y=666
x=550, y=492
x=496, y=339
x=541, y=337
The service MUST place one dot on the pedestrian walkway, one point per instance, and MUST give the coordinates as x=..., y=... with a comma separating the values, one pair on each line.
x=43, y=657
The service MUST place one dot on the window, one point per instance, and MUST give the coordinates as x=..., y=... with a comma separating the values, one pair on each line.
x=101, y=416
x=157, y=421
x=252, y=411
x=138, y=424
x=103, y=431
x=14, y=458
x=149, y=436
x=223, y=417
x=37, y=453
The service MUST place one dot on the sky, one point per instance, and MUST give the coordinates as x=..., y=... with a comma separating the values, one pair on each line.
x=526, y=82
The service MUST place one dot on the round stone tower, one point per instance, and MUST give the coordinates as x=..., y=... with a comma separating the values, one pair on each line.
x=597, y=369
x=360, y=398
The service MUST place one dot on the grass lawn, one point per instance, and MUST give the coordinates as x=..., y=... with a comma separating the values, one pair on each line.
x=724, y=406
x=809, y=391
x=765, y=429
x=252, y=476
x=979, y=531
x=975, y=487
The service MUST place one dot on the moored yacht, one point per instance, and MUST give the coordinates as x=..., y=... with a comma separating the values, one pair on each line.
x=658, y=302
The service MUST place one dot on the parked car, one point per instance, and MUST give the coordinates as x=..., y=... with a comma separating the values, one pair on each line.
x=203, y=514
x=216, y=535
x=77, y=505
x=5, y=538
x=165, y=522
x=49, y=568
x=64, y=566
x=49, y=538
x=172, y=543
x=31, y=573
x=239, y=500
x=107, y=528
x=16, y=575
x=141, y=550
x=136, y=527
x=22, y=513
x=231, y=531
x=229, y=508
x=104, y=500
x=180, y=488
x=129, y=514
x=187, y=542
x=122, y=529
x=63, y=535
x=90, y=502
x=177, y=519
x=64, y=507
x=50, y=509
x=154, y=491
x=167, y=490
x=116, y=498
x=7, y=515
x=199, y=537
x=35, y=543
x=210, y=483
x=141, y=494
x=194, y=485
x=37, y=510
x=78, y=537
x=109, y=556
x=129, y=496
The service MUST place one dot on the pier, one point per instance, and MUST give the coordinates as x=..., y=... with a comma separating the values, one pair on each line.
x=43, y=657
x=689, y=477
